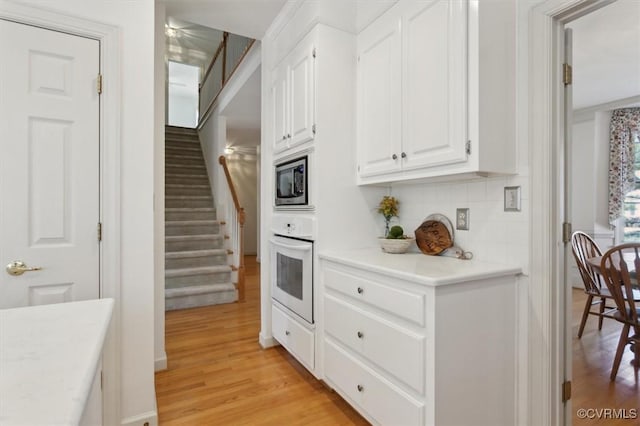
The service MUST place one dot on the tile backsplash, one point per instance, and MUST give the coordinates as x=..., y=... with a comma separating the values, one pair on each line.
x=493, y=236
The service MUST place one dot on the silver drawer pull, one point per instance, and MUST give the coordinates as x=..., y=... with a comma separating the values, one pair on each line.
x=360, y=290
x=360, y=388
x=287, y=332
x=360, y=335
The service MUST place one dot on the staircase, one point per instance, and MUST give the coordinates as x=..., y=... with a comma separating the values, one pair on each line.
x=197, y=271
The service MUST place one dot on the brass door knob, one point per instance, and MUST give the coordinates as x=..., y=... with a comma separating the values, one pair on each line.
x=18, y=267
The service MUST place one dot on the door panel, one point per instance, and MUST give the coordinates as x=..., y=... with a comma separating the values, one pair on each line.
x=435, y=46
x=49, y=167
x=379, y=106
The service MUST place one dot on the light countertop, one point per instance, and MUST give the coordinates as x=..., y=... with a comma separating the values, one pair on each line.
x=49, y=355
x=420, y=268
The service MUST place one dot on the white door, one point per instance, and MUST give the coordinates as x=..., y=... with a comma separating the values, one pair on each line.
x=379, y=91
x=568, y=254
x=49, y=165
x=434, y=50
x=301, y=93
x=279, y=108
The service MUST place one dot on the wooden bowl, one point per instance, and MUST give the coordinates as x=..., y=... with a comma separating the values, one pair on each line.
x=433, y=237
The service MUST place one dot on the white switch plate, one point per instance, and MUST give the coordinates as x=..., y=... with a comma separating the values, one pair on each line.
x=462, y=219
x=512, y=199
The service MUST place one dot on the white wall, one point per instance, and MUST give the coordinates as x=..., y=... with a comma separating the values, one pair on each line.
x=160, y=355
x=183, y=109
x=136, y=23
x=493, y=236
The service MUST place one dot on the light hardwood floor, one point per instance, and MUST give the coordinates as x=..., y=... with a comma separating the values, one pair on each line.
x=219, y=375
x=592, y=360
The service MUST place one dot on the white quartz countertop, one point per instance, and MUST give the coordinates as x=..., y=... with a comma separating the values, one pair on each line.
x=49, y=355
x=420, y=268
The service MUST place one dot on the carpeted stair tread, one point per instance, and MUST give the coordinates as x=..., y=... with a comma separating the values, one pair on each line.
x=194, y=253
x=194, y=237
x=182, y=272
x=199, y=289
x=190, y=209
x=192, y=222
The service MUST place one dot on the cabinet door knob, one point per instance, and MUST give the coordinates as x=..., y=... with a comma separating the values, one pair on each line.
x=403, y=155
x=360, y=335
x=284, y=137
x=394, y=156
x=360, y=388
x=288, y=135
x=287, y=332
x=360, y=290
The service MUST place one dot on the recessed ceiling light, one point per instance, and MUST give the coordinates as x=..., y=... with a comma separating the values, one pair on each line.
x=170, y=31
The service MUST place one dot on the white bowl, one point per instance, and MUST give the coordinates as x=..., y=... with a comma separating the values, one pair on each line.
x=395, y=246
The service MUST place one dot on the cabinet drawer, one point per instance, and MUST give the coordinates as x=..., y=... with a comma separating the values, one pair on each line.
x=294, y=337
x=404, y=304
x=398, y=351
x=378, y=398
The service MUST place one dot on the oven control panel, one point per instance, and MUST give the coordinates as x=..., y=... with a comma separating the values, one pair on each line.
x=297, y=226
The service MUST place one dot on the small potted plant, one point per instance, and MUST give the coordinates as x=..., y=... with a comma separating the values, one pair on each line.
x=394, y=240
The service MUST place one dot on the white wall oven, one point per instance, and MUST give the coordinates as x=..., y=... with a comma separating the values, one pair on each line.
x=291, y=183
x=292, y=275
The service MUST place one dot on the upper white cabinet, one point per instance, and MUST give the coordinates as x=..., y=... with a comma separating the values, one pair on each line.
x=379, y=88
x=428, y=104
x=293, y=97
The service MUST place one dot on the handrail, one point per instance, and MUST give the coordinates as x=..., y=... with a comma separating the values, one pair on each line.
x=238, y=223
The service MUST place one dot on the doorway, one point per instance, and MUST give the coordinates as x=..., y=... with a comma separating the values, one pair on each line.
x=183, y=96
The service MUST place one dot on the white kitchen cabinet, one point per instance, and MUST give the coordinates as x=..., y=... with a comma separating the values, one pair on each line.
x=379, y=113
x=295, y=337
x=441, y=351
x=428, y=104
x=293, y=97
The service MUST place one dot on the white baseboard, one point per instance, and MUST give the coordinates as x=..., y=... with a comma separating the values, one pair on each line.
x=149, y=418
x=161, y=363
x=267, y=342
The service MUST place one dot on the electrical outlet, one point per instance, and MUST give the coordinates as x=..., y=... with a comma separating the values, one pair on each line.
x=462, y=219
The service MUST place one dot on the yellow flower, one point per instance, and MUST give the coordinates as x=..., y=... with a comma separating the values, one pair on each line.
x=388, y=207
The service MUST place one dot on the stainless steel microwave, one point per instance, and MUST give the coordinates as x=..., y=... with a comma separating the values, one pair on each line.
x=291, y=183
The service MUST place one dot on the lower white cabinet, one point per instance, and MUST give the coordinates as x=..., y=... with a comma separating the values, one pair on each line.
x=369, y=391
x=404, y=352
x=295, y=337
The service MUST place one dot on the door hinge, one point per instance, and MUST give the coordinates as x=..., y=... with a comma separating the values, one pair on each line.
x=566, y=232
x=566, y=391
x=99, y=231
x=313, y=129
x=567, y=74
x=99, y=84
x=101, y=380
x=313, y=52
x=467, y=147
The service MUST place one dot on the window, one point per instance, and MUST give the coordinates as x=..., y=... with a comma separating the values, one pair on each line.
x=631, y=205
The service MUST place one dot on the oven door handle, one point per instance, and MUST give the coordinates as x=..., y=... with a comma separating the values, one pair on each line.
x=302, y=246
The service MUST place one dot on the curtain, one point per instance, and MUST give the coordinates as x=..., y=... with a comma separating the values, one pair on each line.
x=624, y=128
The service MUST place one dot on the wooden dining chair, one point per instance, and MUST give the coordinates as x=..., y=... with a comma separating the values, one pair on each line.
x=619, y=268
x=583, y=248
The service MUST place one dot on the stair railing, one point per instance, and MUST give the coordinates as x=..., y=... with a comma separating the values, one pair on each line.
x=231, y=51
x=235, y=218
